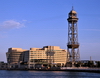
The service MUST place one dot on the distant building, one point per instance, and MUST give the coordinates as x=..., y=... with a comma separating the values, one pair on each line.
x=53, y=55
x=15, y=55
x=3, y=65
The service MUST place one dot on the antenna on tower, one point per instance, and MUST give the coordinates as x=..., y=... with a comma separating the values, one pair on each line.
x=90, y=58
x=72, y=8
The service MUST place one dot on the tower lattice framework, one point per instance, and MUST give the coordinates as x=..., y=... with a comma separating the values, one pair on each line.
x=73, y=45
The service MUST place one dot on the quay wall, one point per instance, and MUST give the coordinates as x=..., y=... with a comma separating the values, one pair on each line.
x=73, y=69
x=80, y=69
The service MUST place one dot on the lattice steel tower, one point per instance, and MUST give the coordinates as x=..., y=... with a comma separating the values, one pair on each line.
x=73, y=45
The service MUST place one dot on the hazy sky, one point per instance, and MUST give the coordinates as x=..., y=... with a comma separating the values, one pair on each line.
x=37, y=23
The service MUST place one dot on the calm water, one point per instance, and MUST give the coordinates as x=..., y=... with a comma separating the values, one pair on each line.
x=47, y=74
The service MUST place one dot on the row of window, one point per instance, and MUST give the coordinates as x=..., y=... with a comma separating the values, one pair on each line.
x=38, y=57
x=48, y=51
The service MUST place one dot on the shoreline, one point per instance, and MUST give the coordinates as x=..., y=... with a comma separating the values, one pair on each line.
x=55, y=70
x=95, y=70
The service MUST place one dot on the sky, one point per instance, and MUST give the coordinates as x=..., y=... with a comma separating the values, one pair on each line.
x=36, y=23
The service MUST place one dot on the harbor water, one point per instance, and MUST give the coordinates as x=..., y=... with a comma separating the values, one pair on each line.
x=46, y=74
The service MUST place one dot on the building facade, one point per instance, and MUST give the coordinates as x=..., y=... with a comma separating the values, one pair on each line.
x=15, y=55
x=47, y=55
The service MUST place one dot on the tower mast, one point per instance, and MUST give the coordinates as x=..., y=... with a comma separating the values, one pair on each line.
x=73, y=45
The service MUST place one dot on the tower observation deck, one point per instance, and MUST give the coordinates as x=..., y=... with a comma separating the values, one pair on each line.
x=73, y=45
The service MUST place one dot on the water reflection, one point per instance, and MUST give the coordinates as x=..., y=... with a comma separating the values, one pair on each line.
x=47, y=74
